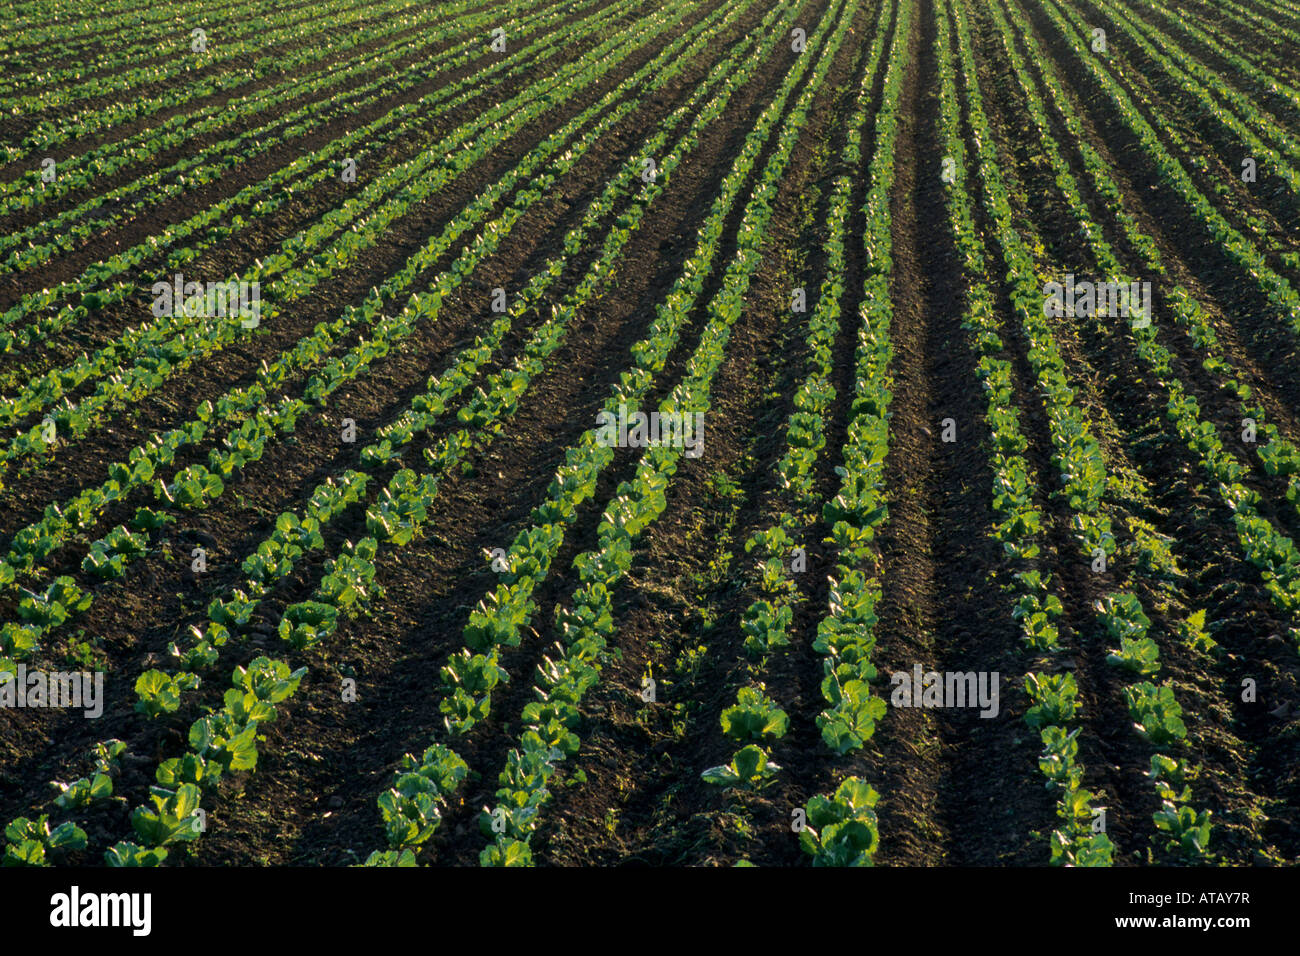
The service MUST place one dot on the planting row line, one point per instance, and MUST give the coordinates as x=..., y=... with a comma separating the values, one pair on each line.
x=155, y=352
x=1155, y=712
x=47, y=134
x=397, y=515
x=585, y=623
x=364, y=79
x=92, y=288
x=1268, y=549
x=1238, y=248
x=267, y=31
x=841, y=827
x=1019, y=530
x=197, y=485
x=756, y=721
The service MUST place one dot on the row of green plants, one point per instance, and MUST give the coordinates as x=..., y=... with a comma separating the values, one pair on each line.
x=161, y=352
x=403, y=507
x=33, y=842
x=1279, y=8
x=1278, y=454
x=1148, y=547
x=766, y=621
x=227, y=739
x=841, y=829
x=135, y=380
x=501, y=615
x=846, y=634
x=586, y=623
x=1263, y=55
x=504, y=388
x=223, y=741
x=31, y=190
x=1208, y=94
x=1157, y=717
x=65, y=230
x=1259, y=80
x=206, y=229
x=1120, y=613
x=1268, y=549
x=199, y=487
x=411, y=808
x=755, y=723
x=58, y=31
x=292, y=538
x=39, y=540
x=1252, y=263
x=267, y=31
x=469, y=678
x=1019, y=529
x=58, y=23
x=80, y=123
x=139, y=46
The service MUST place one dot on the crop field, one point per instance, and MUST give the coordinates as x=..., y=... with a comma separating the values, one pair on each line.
x=687, y=433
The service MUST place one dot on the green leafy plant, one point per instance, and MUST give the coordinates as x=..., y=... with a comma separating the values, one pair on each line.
x=749, y=768
x=410, y=814
x=507, y=852
x=192, y=489
x=126, y=854
x=1168, y=774
x=1057, y=763
x=1055, y=696
x=1139, y=656
x=58, y=602
x=1036, y=611
x=754, y=718
x=171, y=819
x=81, y=793
x=160, y=693
x=1088, y=849
x=841, y=830
x=1193, y=633
x=1187, y=830
x=308, y=623
x=391, y=858
x=1156, y=713
x=765, y=626
x=850, y=721
x=31, y=841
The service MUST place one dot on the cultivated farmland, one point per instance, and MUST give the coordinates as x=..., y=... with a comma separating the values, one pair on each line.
x=702, y=432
